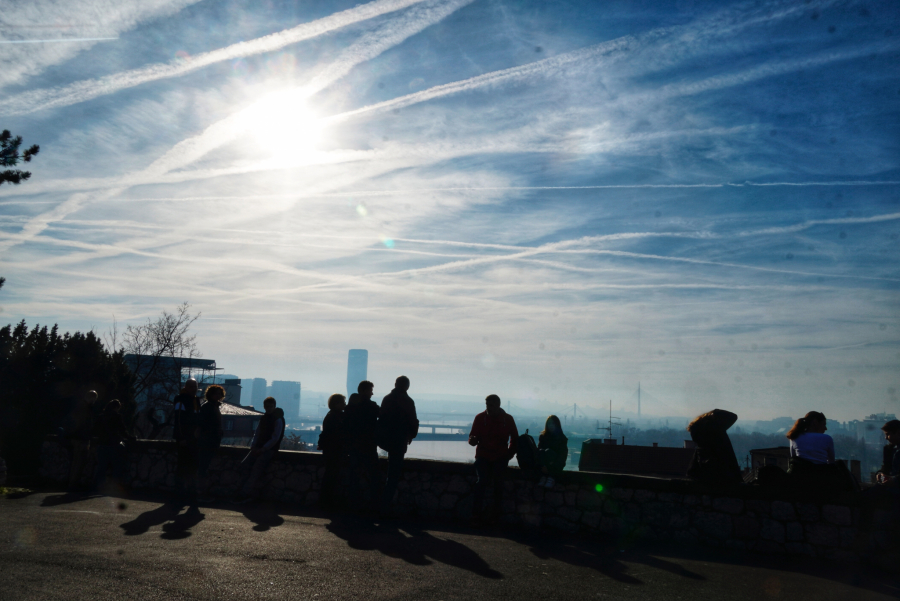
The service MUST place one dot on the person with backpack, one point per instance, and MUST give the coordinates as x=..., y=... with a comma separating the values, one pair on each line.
x=495, y=438
x=553, y=451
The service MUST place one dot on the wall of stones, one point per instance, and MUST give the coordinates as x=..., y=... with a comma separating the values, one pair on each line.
x=615, y=506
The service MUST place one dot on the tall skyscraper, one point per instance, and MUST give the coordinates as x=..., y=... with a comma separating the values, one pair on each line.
x=357, y=369
x=287, y=395
x=258, y=393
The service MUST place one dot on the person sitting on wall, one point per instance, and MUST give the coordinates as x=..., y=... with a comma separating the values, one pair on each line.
x=209, y=437
x=495, y=438
x=553, y=451
x=333, y=444
x=714, y=460
x=812, y=465
x=263, y=448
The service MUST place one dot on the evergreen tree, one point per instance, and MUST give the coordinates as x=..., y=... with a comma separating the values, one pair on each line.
x=10, y=157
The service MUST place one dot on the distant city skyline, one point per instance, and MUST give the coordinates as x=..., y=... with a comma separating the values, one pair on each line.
x=542, y=200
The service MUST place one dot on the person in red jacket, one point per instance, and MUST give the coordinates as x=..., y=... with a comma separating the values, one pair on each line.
x=494, y=436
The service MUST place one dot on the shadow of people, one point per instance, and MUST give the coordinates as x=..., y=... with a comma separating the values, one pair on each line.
x=264, y=515
x=410, y=544
x=148, y=519
x=64, y=499
x=181, y=526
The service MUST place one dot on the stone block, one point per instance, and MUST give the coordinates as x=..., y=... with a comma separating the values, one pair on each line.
x=679, y=517
x=808, y=512
x=621, y=494
x=458, y=486
x=824, y=535
x=644, y=532
x=525, y=508
x=609, y=526
x=558, y=523
x=631, y=512
x=848, y=537
x=656, y=514
x=746, y=527
x=706, y=501
x=769, y=547
x=448, y=501
x=783, y=511
x=794, y=531
x=591, y=519
x=715, y=525
x=837, y=514
x=588, y=499
x=795, y=548
x=570, y=513
x=670, y=497
x=611, y=507
x=691, y=500
x=772, y=530
x=643, y=496
x=532, y=520
x=538, y=494
x=570, y=498
x=728, y=505
x=427, y=500
x=555, y=499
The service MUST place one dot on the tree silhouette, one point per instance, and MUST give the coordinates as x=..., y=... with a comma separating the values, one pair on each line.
x=10, y=157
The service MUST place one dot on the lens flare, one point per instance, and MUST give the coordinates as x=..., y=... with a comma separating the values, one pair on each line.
x=599, y=488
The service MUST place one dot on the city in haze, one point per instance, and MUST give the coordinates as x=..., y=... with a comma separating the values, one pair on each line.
x=554, y=202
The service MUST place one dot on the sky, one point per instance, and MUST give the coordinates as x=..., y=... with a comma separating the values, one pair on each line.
x=550, y=201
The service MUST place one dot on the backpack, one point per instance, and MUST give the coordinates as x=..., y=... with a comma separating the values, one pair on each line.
x=527, y=453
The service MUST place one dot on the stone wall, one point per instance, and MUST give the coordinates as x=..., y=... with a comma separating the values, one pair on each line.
x=611, y=505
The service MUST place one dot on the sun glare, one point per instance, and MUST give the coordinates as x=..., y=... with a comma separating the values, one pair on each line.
x=282, y=125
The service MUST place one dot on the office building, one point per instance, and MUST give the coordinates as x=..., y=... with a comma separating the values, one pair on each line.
x=287, y=395
x=257, y=392
x=357, y=369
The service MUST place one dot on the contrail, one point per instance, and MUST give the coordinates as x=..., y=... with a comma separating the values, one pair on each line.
x=61, y=40
x=36, y=100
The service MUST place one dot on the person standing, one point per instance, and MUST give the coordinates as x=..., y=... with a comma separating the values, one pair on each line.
x=889, y=472
x=263, y=449
x=361, y=420
x=495, y=438
x=397, y=426
x=186, y=410
x=332, y=443
x=80, y=429
x=111, y=436
x=553, y=450
x=209, y=437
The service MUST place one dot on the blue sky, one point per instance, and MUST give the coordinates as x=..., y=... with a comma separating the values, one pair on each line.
x=540, y=200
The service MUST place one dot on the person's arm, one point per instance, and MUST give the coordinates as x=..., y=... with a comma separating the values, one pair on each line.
x=276, y=434
x=413, y=422
x=475, y=434
x=513, y=436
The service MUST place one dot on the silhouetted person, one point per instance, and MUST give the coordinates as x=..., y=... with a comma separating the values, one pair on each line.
x=812, y=466
x=889, y=472
x=397, y=426
x=187, y=408
x=714, y=460
x=263, y=448
x=361, y=421
x=333, y=444
x=111, y=436
x=79, y=431
x=209, y=437
x=553, y=450
x=495, y=438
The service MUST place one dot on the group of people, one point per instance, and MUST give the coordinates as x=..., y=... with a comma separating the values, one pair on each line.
x=356, y=428
x=110, y=433
x=812, y=464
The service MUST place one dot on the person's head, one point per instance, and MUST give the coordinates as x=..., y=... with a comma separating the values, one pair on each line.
x=214, y=393
x=814, y=422
x=90, y=397
x=337, y=402
x=552, y=426
x=402, y=383
x=269, y=404
x=190, y=387
x=698, y=419
x=892, y=431
x=492, y=404
x=114, y=406
x=366, y=389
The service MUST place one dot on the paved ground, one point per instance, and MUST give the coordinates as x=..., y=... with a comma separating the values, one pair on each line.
x=54, y=546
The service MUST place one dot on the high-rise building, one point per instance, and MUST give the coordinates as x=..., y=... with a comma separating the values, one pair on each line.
x=287, y=395
x=232, y=388
x=257, y=393
x=357, y=369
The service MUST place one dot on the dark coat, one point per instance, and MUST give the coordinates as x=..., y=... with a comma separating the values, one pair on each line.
x=714, y=460
x=210, y=431
x=111, y=429
x=890, y=464
x=559, y=446
x=333, y=439
x=397, y=422
x=361, y=421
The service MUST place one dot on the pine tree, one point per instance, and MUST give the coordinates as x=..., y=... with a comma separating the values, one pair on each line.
x=9, y=157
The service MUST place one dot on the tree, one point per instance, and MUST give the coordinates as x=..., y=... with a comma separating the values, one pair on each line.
x=157, y=351
x=10, y=157
x=42, y=374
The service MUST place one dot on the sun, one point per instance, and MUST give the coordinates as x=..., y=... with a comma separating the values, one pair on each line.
x=282, y=125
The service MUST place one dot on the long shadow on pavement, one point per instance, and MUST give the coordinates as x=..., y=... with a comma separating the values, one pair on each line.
x=174, y=526
x=419, y=548
x=264, y=515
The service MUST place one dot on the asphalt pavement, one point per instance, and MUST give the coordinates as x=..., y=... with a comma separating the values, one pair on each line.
x=58, y=546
